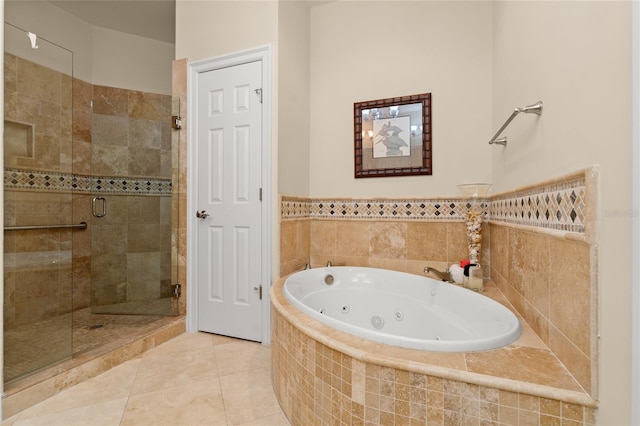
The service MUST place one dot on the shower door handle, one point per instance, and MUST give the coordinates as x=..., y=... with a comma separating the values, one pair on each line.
x=94, y=206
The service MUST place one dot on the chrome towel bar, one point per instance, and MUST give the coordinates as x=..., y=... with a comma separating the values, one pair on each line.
x=81, y=225
x=531, y=109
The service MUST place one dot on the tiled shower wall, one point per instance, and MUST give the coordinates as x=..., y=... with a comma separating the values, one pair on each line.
x=54, y=139
x=538, y=247
x=37, y=137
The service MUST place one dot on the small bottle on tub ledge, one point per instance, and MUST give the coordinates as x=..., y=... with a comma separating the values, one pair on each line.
x=473, y=277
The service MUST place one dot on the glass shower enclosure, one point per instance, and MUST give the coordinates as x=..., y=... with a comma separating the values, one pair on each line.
x=87, y=207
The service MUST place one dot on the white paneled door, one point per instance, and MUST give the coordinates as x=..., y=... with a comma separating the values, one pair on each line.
x=229, y=162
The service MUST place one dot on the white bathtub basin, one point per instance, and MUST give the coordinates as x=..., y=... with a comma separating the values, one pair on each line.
x=402, y=309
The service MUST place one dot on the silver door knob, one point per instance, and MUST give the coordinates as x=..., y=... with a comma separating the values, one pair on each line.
x=202, y=215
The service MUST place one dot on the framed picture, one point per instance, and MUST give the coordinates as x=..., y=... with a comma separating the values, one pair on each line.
x=392, y=137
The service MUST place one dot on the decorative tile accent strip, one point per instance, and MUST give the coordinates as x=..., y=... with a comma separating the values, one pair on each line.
x=294, y=208
x=405, y=209
x=136, y=185
x=372, y=209
x=82, y=184
x=43, y=181
x=64, y=182
x=559, y=206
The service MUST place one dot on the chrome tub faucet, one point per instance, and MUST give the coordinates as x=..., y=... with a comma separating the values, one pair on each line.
x=444, y=276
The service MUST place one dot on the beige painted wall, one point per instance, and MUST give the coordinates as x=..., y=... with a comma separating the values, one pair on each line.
x=575, y=57
x=209, y=29
x=373, y=50
x=100, y=56
x=294, y=101
x=144, y=65
x=55, y=25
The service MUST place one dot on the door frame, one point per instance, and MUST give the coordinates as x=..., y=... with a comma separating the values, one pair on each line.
x=263, y=54
x=635, y=219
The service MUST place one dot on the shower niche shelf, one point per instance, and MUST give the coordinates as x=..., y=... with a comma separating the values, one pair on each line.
x=18, y=139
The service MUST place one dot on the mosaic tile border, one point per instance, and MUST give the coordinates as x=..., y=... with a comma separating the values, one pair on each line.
x=295, y=208
x=558, y=206
x=405, y=209
x=15, y=179
x=120, y=185
x=449, y=209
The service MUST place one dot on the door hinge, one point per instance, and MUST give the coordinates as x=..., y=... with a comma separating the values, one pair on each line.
x=259, y=290
x=176, y=289
x=176, y=122
x=260, y=194
x=259, y=93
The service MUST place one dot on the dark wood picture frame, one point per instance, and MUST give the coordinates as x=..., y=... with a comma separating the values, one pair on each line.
x=401, y=158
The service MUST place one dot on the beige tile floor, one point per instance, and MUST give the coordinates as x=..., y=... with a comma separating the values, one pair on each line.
x=193, y=379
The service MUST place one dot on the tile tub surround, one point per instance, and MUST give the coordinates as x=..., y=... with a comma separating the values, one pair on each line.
x=544, y=257
x=551, y=281
x=390, y=242
x=531, y=238
x=295, y=245
x=323, y=376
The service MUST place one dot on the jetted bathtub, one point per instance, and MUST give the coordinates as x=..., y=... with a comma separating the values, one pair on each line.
x=402, y=309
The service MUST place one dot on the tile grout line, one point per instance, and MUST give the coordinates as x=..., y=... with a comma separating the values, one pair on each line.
x=133, y=382
x=224, y=406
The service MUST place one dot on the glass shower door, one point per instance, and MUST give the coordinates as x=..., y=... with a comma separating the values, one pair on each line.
x=38, y=222
x=131, y=222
